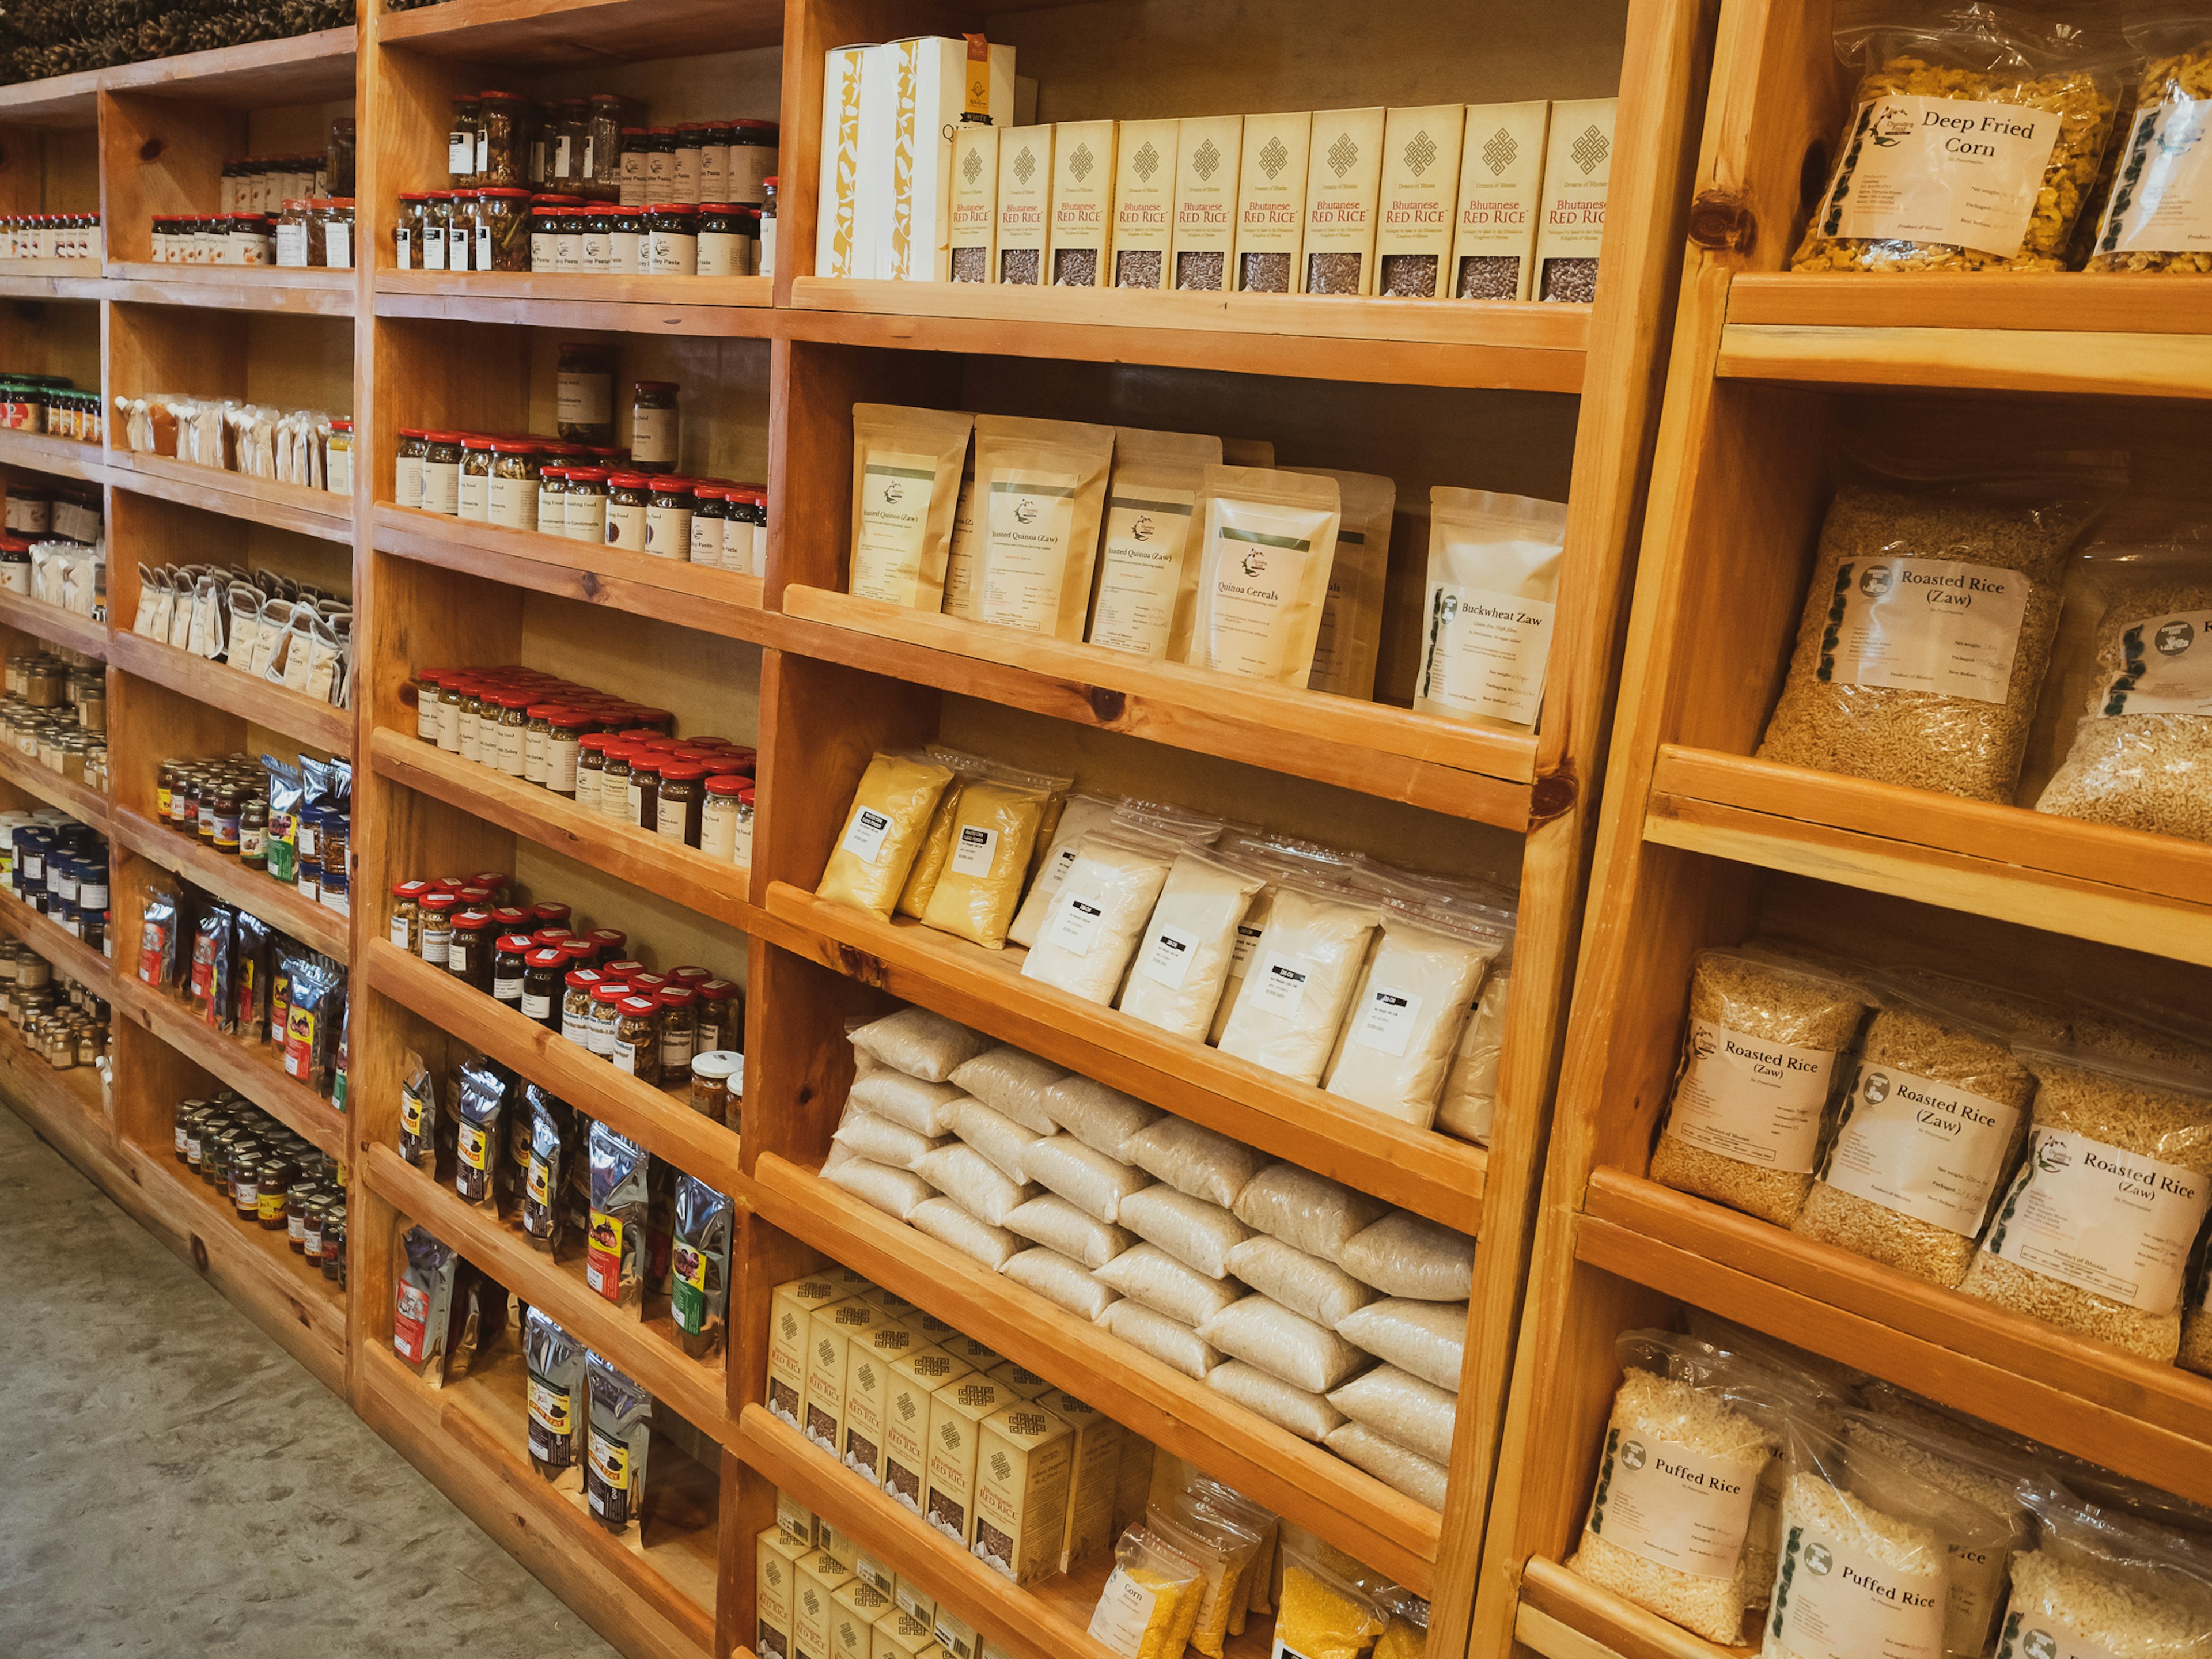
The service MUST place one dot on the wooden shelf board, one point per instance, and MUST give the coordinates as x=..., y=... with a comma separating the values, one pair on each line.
x=318, y=293
x=1502, y=345
x=2011, y=301
x=2148, y=1420
x=81, y=802
x=645, y=1349
x=306, y=719
x=256, y=1070
x=263, y=501
x=58, y=101
x=1563, y=1617
x=660, y=1119
x=53, y=279
x=670, y=869
x=65, y=1106
x=71, y=956
x=325, y=929
x=300, y=69
x=671, y=589
x=553, y=32
x=1482, y=772
x=63, y=458
x=1300, y=1481
x=1429, y=1173
x=1962, y=359
x=2056, y=873
x=643, y=1595
x=1050, y=1620
x=736, y=305
x=53, y=625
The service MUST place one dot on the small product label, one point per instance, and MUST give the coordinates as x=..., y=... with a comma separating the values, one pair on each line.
x=536, y=1007
x=1386, y=1021
x=1123, y=1614
x=974, y=849
x=583, y=399
x=1756, y=1101
x=2114, y=1223
x=1140, y=570
x=1168, y=955
x=687, y=1291
x=461, y=152
x=292, y=246
x=1934, y=625
x=603, y=1254
x=2028, y=1634
x=411, y=1307
x=864, y=836
x=1922, y=1148
x=1843, y=1604
x=552, y=1423
x=1280, y=983
x=1077, y=923
x=1946, y=170
x=653, y=436
x=474, y=1146
x=2169, y=667
x=2168, y=166
x=1673, y=1505
x=1487, y=652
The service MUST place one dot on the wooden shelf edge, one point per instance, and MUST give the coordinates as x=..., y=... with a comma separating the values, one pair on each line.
x=86, y=804
x=1021, y=1622
x=659, y=1121
x=1565, y=1617
x=2076, y=362
x=54, y=625
x=327, y=930
x=1429, y=1173
x=2098, y=304
x=698, y=1391
x=63, y=457
x=1300, y=1481
x=738, y=306
x=252, y=1068
x=297, y=715
x=579, y=30
x=2149, y=1420
x=311, y=292
x=260, y=501
x=73, y=956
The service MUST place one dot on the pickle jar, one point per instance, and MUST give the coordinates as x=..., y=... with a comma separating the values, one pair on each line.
x=461, y=140
x=671, y=246
x=473, y=487
x=631, y=193
x=637, y=1040
x=689, y=159
x=668, y=518
x=408, y=456
x=708, y=505
x=501, y=157
x=437, y=226
x=604, y=151
x=627, y=501
x=654, y=426
x=584, y=382
x=442, y=473
x=545, y=239
x=513, y=500
x=503, y=225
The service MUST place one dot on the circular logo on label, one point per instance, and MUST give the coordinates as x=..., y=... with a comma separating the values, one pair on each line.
x=894, y=493
x=1875, y=1088
x=1025, y=511
x=1631, y=1453
x=1254, y=562
x=1877, y=580
x=1818, y=1559
x=1142, y=528
x=1890, y=125
x=2175, y=638
x=1705, y=1045
x=2039, y=1644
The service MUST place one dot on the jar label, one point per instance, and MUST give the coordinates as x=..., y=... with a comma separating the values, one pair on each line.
x=668, y=531
x=435, y=948
x=1756, y=1101
x=292, y=246
x=670, y=820
x=864, y=836
x=536, y=1007
x=2114, y=1223
x=625, y=1055
x=706, y=539
x=561, y=765
x=653, y=436
x=510, y=749
x=721, y=253
x=2169, y=663
x=441, y=487
x=582, y=399
x=337, y=245
x=513, y=502
x=1923, y=1148
x=461, y=152
x=403, y=248
x=1950, y=170
x=508, y=988
x=483, y=247
x=401, y=933
x=561, y=156
x=974, y=850
x=625, y=526
x=433, y=250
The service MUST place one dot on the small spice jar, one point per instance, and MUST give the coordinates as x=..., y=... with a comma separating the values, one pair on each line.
x=569, y=240
x=712, y=1074
x=437, y=230
x=668, y=518
x=767, y=226
x=545, y=238
x=591, y=768
x=461, y=231
x=503, y=225
x=433, y=933
x=644, y=797
x=671, y=240
x=719, y=809
x=251, y=241
x=442, y=473
x=688, y=159
x=408, y=456
x=626, y=241
x=724, y=248
x=744, y=533
x=334, y=1243
x=578, y=984
x=660, y=146
x=599, y=242
x=584, y=381
x=563, y=749
x=681, y=795
x=337, y=457
x=407, y=230
x=635, y=1047
x=509, y=967
x=629, y=498
x=473, y=490
x=514, y=485
x=722, y=1015
x=607, y=997
x=709, y=503
x=631, y=184
x=541, y=985
x=294, y=243
x=609, y=944
x=514, y=729
x=715, y=161
x=540, y=716
x=679, y=1028
x=753, y=154
x=552, y=499
x=253, y=834
x=461, y=139
x=335, y=887
x=404, y=927
x=584, y=505
x=273, y=1203
x=500, y=158
x=567, y=132
x=469, y=953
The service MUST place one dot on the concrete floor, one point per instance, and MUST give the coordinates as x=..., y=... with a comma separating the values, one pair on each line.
x=176, y=1484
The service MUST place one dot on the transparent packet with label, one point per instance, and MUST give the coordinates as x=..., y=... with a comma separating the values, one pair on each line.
x=1150, y=1603
x=2152, y=149
x=2097, y=1576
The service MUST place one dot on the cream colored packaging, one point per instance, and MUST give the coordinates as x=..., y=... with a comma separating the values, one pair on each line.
x=1487, y=617
x=1268, y=541
x=836, y=1544
x=1023, y=1463
x=1208, y=152
x=906, y=485
x=1270, y=203
x=961, y=560
x=1501, y=181
x=1578, y=169
x=1094, y=1471
x=915, y=1602
x=913, y=95
x=975, y=229
x=868, y=1363
x=814, y=1579
x=837, y=241
x=890, y=1301
x=1151, y=508
x=791, y=1313
x=1144, y=204
x=828, y=1345
x=801, y=1529
x=900, y=1635
x=1040, y=489
x=1018, y=1379
x=871, y=1571
x=1082, y=203
x=853, y=1610
x=958, y=1637
x=955, y=1428
x=1418, y=200
x=1351, y=637
x=778, y=1563
x=1344, y=181
x=1025, y=203
x=914, y=1382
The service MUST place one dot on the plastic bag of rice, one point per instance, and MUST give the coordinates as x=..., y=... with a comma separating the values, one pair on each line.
x=1304, y=972
x=1469, y=1105
x=1183, y=957
x=919, y=1043
x=1310, y=1416
x=1759, y=1068
x=1090, y=1181
x=878, y=1138
x=1402, y=1408
x=1198, y=1234
x=1886, y=685
x=1091, y=932
x=1260, y=1331
x=996, y=1137
x=1406, y=1255
x=1391, y=1463
x=1415, y=996
x=1309, y=1212
x=895, y=1191
x=1103, y=1119
x=2143, y=1034
x=1066, y=1284
x=1428, y=1339
x=1150, y=1275
x=949, y=1223
x=1692, y=1434
x=1936, y=1113
x=2095, y=1233
x=1055, y=1222
x=1012, y=1082
x=967, y=1177
x=924, y=1108
x=1195, y=1159
x=1169, y=1341
x=1318, y=1290
x=2099, y=1582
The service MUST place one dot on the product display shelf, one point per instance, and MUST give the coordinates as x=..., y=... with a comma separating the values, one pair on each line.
x=1300, y=1481
x=1482, y=772
x=66, y=1107
x=2065, y=874
x=636, y=305
x=63, y=458
x=713, y=601
x=711, y=886
x=468, y=1438
x=1050, y=1620
x=53, y=279
x=555, y=33
x=306, y=719
x=235, y=495
x=255, y=1069
x=661, y=1120
x=1429, y=1173
x=296, y=69
x=69, y=954
x=313, y=924
x=1699, y=845
x=52, y=624
x=645, y=1349
x=314, y=292
x=85, y=805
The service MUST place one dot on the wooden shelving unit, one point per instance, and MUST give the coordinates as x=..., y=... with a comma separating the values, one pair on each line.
x=1700, y=843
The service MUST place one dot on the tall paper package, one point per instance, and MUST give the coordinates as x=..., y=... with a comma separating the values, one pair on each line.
x=913, y=95
x=837, y=230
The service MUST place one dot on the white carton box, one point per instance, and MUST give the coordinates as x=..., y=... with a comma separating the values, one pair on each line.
x=912, y=94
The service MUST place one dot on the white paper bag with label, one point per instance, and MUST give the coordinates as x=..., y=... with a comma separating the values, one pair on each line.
x=1493, y=589
x=1151, y=512
x=1261, y=575
x=906, y=482
x=1040, y=488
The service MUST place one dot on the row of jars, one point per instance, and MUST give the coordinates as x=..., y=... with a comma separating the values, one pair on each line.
x=597, y=148
x=58, y=868
x=38, y=508
x=273, y=1177
x=57, y=737
x=60, y=1020
x=262, y=183
x=497, y=228
x=50, y=236
x=60, y=679
x=224, y=802
x=51, y=404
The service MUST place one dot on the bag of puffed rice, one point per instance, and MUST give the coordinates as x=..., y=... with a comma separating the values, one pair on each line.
x=2100, y=1582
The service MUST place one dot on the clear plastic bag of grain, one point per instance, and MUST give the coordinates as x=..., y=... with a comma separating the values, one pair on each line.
x=1935, y=1112
x=1693, y=1432
x=2099, y=1582
x=2141, y=753
x=2095, y=1233
x=1926, y=631
x=1907, y=195
x=2138, y=1032
x=1761, y=1061
x=2149, y=227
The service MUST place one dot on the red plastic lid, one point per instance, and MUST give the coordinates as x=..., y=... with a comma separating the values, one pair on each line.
x=440, y=902
x=550, y=938
x=409, y=888
x=472, y=920
x=754, y=125
x=578, y=979
x=692, y=975
x=541, y=957
x=718, y=990
x=627, y=967
x=649, y=984
x=607, y=990
x=679, y=996
x=501, y=190
x=630, y=480
x=640, y=1005
x=726, y=783
x=549, y=911
x=578, y=950
x=515, y=942
x=676, y=771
